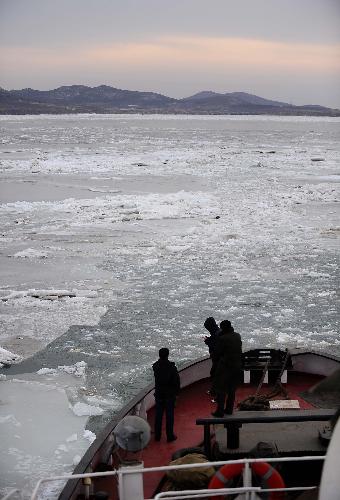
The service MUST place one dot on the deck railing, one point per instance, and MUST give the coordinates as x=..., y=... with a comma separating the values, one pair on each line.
x=130, y=478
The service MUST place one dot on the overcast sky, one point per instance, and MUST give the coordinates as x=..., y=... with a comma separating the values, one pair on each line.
x=287, y=50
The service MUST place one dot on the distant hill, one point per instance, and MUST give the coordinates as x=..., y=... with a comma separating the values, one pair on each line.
x=233, y=99
x=80, y=99
x=106, y=99
x=242, y=103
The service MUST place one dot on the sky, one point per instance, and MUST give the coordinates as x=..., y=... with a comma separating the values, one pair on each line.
x=287, y=50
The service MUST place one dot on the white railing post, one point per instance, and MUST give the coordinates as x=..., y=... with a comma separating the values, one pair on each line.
x=247, y=478
x=131, y=484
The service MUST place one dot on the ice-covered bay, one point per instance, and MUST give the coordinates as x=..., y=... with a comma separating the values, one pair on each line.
x=42, y=433
x=136, y=228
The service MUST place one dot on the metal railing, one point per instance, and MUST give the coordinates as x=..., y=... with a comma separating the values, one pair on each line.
x=248, y=490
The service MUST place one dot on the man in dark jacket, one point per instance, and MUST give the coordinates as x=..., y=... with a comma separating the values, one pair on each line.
x=167, y=385
x=214, y=330
x=227, y=359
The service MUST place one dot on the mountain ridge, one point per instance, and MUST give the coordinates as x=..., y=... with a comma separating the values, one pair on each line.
x=107, y=99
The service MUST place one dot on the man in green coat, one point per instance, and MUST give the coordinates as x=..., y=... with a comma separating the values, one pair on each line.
x=227, y=358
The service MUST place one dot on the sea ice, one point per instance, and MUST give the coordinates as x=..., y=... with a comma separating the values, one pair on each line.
x=90, y=436
x=47, y=371
x=30, y=410
x=7, y=357
x=83, y=409
x=76, y=459
x=135, y=228
x=30, y=253
x=62, y=447
x=78, y=369
x=71, y=438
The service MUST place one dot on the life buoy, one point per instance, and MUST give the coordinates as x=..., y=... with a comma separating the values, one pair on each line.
x=270, y=478
x=223, y=476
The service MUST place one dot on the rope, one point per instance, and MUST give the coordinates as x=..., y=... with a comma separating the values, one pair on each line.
x=257, y=402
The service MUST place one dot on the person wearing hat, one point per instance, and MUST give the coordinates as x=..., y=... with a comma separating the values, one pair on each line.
x=227, y=361
x=167, y=385
x=214, y=331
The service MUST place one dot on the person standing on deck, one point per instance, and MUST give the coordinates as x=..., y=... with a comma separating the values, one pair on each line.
x=227, y=359
x=167, y=385
x=214, y=330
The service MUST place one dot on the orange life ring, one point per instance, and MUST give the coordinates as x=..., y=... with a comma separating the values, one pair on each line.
x=270, y=478
x=223, y=476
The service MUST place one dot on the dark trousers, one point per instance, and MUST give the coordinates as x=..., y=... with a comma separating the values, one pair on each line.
x=212, y=373
x=167, y=406
x=225, y=400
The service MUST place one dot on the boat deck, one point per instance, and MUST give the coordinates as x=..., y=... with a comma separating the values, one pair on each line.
x=194, y=402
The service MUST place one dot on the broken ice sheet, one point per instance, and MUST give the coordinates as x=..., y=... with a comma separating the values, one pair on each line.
x=31, y=407
x=7, y=357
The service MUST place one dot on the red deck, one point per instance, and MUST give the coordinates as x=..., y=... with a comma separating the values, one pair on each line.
x=194, y=402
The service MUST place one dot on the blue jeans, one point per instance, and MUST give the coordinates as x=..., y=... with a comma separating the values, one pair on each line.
x=167, y=406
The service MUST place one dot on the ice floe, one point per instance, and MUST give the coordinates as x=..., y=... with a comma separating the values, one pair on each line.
x=30, y=253
x=76, y=459
x=89, y=435
x=28, y=413
x=51, y=294
x=83, y=409
x=7, y=357
x=78, y=369
x=72, y=438
x=109, y=210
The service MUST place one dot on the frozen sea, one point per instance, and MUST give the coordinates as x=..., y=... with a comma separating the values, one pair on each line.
x=120, y=234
